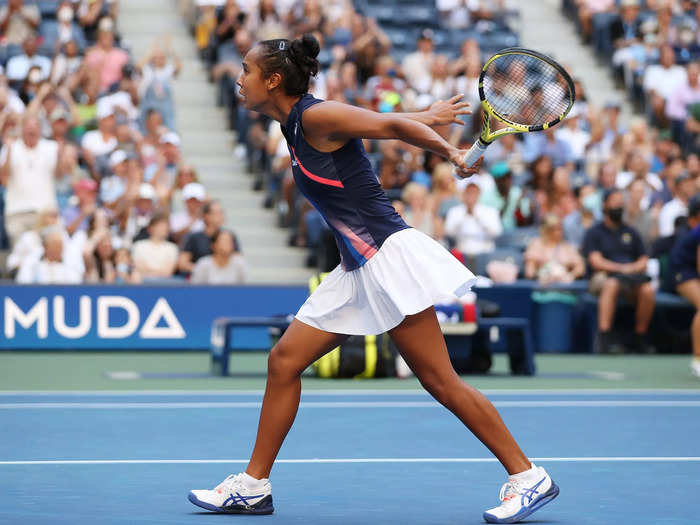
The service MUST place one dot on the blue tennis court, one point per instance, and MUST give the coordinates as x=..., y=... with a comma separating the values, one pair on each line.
x=352, y=457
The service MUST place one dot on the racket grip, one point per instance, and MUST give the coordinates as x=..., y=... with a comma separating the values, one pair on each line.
x=476, y=151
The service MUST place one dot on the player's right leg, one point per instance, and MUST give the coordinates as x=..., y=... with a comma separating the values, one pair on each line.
x=690, y=289
x=250, y=492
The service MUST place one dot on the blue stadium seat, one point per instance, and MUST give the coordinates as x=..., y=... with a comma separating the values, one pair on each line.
x=518, y=238
x=382, y=13
x=401, y=38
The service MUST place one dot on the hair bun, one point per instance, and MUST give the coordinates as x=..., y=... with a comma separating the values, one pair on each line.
x=304, y=51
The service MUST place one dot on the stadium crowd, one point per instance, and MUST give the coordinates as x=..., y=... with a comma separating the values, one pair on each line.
x=94, y=186
x=545, y=204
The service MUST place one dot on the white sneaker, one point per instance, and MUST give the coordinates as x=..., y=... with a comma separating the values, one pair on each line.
x=234, y=497
x=520, y=498
x=695, y=367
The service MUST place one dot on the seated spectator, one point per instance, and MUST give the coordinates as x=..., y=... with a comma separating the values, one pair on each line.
x=416, y=66
x=549, y=258
x=472, y=225
x=417, y=212
x=506, y=149
x=113, y=187
x=77, y=217
x=198, y=244
x=28, y=171
x=637, y=167
x=66, y=62
x=617, y=260
x=18, y=66
x=583, y=217
x=189, y=220
x=503, y=196
x=156, y=257
x=685, y=270
x=444, y=194
x=104, y=57
x=682, y=109
x=51, y=268
x=643, y=220
x=139, y=215
x=64, y=29
x=18, y=22
x=100, y=142
x=661, y=80
x=684, y=189
x=158, y=69
x=223, y=266
x=574, y=134
x=547, y=144
x=98, y=254
x=124, y=268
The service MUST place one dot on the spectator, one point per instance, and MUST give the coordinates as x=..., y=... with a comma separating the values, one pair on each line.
x=77, y=217
x=587, y=213
x=189, y=220
x=113, y=187
x=158, y=68
x=223, y=266
x=638, y=169
x=18, y=22
x=684, y=189
x=100, y=142
x=549, y=258
x=643, y=220
x=685, y=269
x=51, y=268
x=472, y=225
x=417, y=212
x=574, y=135
x=106, y=59
x=140, y=214
x=625, y=29
x=616, y=256
x=661, y=80
x=124, y=268
x=18, y=66
x=28, y=171
x=444, y=195
x=156, y=257
x=63, y=30
x=99, y=254
x=66, y=62
x=682, y=109
x=503, y=196
x=198, y=244
x=416, y=66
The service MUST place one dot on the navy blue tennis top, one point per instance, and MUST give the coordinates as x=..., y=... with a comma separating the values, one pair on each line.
x=684, y=254
x=343, y=188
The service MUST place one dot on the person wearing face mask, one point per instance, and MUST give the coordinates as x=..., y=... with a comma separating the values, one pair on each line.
x=617, y=260
x=63, y=29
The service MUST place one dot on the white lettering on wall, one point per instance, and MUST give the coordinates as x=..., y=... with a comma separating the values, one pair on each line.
x=162, y=310
x=39, y=314
x=84, y=317
x=104, y=330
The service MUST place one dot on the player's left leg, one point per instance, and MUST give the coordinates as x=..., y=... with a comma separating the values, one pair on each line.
x=422, y=345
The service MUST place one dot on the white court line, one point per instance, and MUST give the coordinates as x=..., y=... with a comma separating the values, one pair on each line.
x=358, y=392
x=612, y=459
x=346, y=404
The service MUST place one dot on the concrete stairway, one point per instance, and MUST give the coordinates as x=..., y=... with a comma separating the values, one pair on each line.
x=545, y=28
x=208, y=144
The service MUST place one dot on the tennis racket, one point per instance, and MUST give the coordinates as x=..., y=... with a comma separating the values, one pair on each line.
x=523, y=89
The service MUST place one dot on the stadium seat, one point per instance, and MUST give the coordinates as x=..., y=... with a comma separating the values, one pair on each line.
x=518, y=238
x=513, y=255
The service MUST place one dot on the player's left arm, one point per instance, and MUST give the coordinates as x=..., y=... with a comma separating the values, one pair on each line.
x=442, y=112
x=338, y=122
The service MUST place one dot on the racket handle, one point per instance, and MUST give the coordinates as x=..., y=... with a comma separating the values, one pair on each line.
x=476, y=151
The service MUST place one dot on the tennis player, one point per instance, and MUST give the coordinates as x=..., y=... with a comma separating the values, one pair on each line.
x=389, y=278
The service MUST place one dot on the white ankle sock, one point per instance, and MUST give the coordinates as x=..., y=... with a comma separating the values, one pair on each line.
x=525, y=474
x=253, y=483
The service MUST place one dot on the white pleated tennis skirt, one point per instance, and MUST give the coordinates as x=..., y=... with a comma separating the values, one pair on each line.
x=409, y=273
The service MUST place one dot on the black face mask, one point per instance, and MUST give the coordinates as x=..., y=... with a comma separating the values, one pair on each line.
x=615, y=215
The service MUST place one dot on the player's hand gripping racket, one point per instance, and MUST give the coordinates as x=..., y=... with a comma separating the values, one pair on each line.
x=524, y=90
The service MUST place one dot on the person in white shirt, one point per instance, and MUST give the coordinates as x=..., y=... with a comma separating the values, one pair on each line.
x=684, y=189
x=18, y=66
x=51, y=268
x=472, y=225
x=661, y=80
x=101, y=141
x=571, y=132
x=416, y=66
x=156, y=257
x=189, y=220
x=28, y=172
x=638, y=168
x=223, y=266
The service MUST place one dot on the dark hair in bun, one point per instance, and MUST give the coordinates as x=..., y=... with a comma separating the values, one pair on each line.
x=295, y=60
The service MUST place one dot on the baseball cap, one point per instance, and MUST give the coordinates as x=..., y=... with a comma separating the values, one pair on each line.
x=194, y=190
x=146, y=191
x=681, y=178
x=694, y=206
x=170, y=138
x=117, y=157
x=629, y=3
x=500, y=169
x=104, y=110
x=427, y=34
x=59, y=114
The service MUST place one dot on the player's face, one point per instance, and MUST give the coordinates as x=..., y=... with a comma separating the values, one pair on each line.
x=253, y=89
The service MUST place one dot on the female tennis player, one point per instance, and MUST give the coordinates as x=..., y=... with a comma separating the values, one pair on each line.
x=389, y=278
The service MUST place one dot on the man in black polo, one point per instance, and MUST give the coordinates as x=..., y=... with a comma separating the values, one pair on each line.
x=198, y=245
x=617, y=260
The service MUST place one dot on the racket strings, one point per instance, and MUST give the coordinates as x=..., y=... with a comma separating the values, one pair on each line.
x=526, y=90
